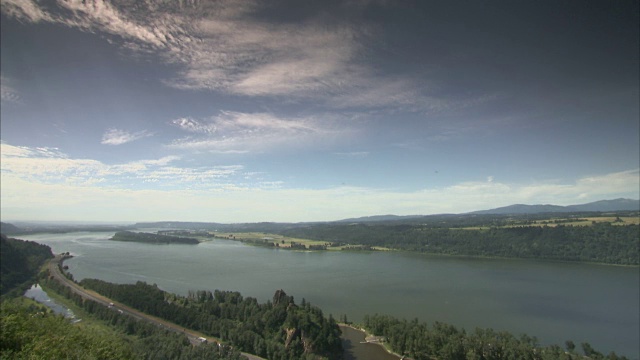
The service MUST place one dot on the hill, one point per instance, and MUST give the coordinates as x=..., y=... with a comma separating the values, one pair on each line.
x=597, y=206
x=20, y=262
x=6, y=228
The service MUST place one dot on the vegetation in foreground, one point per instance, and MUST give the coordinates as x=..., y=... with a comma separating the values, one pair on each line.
x=279, y=329
x=20, y=262
x=31, y=331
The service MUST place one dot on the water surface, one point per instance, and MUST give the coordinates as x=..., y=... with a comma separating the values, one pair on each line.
x=36, y=293
x=550, y=300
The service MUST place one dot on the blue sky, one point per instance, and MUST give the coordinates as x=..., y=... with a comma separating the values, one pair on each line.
x=244, y=111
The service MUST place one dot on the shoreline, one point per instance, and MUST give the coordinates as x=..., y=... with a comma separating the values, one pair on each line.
x=368, y=335
x=373, y=249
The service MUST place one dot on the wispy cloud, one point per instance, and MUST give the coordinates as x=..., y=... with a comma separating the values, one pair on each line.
x=7, y=93
x=243, y=132
x=270, y=201
x=51, y=166
x=119, y=137
x=25, y=10
x=229, y=46
x=195, y=126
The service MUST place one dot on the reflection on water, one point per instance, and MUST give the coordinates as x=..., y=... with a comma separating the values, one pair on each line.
x=36, y=293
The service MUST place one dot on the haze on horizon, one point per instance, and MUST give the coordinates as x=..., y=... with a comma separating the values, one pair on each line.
x=246, y=111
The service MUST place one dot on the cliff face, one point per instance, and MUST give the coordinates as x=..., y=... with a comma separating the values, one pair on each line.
x=280, y=297
x=298, y=334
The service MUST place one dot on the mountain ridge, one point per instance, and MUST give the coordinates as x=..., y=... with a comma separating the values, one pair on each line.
x=620, y=204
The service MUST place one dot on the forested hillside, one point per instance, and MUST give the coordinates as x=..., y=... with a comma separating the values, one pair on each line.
x=601, y=242
x=280, y=329
x=20, y=262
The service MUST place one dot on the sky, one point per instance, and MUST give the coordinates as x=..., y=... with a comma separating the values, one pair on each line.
x=289, y=111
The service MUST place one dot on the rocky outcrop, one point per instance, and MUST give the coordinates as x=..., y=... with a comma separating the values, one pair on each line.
x=280, y=297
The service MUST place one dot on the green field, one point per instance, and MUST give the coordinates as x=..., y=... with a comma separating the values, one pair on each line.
x=565, y=221
x=285, y=242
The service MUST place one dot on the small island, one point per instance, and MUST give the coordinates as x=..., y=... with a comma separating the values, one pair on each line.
x=152, y=238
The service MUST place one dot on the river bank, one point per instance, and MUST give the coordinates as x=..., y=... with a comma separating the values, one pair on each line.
x=360, y=345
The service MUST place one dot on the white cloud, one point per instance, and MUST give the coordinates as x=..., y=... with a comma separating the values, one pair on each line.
x=235, y=203
x=243, y=132
x=41, y=184
x=25, y=10
x=222, y=46
x=50, y=166
x=101, y=15
x=119, y=137
x=195, y=126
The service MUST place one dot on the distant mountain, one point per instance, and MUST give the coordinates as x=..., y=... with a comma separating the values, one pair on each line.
x=601, y=206
x=608, y=205
x=7, y=228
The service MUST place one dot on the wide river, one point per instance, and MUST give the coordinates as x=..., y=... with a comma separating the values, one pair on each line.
x=550, y=300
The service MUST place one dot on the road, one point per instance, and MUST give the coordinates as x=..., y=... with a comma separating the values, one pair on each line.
x=194, y=337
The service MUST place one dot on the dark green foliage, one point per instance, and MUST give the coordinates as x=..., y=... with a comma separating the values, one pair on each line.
x=152, y=238
x=20, y=262
x=601, y=242
x=442, y=341
x=30, y=332
x=275, y=330
x=143, y=339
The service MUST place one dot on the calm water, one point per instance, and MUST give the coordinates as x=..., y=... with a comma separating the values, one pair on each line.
x=36, y=293
x=552, y=301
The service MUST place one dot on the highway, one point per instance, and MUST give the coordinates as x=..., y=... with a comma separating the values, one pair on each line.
x=55, y=266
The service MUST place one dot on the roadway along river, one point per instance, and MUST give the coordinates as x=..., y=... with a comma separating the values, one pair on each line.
x=55, y=271
x=552, y=301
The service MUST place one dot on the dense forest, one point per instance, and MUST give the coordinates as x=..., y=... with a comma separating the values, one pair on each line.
x=152, y=238
x=140, y=339
x=279, y=329
x=600, y=242
x=20, y=262
x=442, y=341
x=30, y=331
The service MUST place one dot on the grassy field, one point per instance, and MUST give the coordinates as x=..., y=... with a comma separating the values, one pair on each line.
x=284, y=242
x=552, y=222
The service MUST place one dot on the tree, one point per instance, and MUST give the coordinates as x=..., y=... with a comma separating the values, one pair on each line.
x=571, y=347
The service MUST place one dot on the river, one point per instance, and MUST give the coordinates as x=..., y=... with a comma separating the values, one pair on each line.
x=553, y=301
